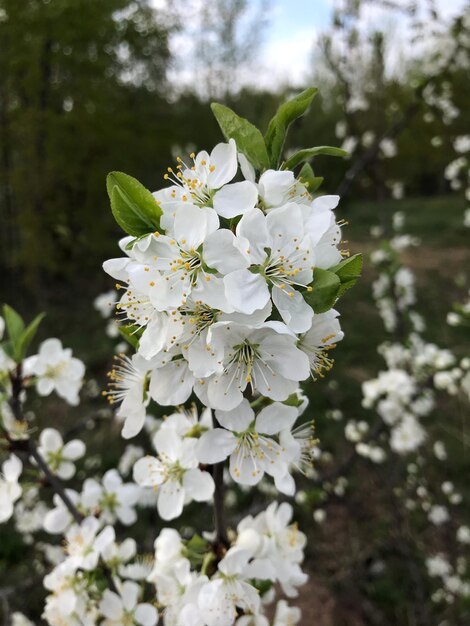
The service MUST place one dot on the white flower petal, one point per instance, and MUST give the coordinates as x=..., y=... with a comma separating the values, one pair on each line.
x=235, y=199
x=253, y=227
x=66, y=470
x=295, y=312
x=237, y=419
x=51, y=440
x=246, y=291
x=222, y=251
x=149, y=472
x=215, y=446
x=146, y=614
x=224, y=160
x=170, y=500
x=111, y=605
x=171, y=384
x=74, y=449
x=199, y=485
x=275, y=417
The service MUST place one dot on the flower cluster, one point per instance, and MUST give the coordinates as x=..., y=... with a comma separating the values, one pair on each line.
x=225, y=290
x=220, y=296
x=268, y=549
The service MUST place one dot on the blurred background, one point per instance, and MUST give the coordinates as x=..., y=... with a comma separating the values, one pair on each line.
x=87, y=87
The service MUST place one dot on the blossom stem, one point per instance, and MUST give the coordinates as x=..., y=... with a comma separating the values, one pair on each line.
x=221, y=538
x=54, y=481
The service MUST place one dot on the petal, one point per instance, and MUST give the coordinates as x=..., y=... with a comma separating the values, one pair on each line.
x=285, y=224
x=153, y=339
x=237, y=419
x=65, y=470
x=222, y=251
x=246, y=291
x=272, y=385
x=134, y=422
x=149, y=472
x=223, y=392
x=130, y=593
x=244, y=468
x=146, y=614
x=295, y=312
x=325, y=203
x=117, y=268
x=203, y=359
x=190, y=227
x=51, y=440
x=274, y=186
x=111, y=605
x=199, y=485
x=285, y=484
x=285, y=357
x=234, y=562
x=215, y=446
x=224, y=160
x=247, y=169
x=12, y=468
x=235, y=199
x=253, y=227
x=171, y=384
x=276, y=417
x=45, y=386
x=126, y=515
x=326, y=253
x=168, y=443
x=51, y=350
x=170, y=500
x=74, y=449
x=210, y=289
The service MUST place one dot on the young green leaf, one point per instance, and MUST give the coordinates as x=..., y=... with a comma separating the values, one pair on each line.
x=14, y=324
x=325, y=289
x=133, y=206
x=308, y=178
x=131, y=334
x=27, y=336
x=248, y=138
x=348, y=272
x=309, y=153
x=279, y=125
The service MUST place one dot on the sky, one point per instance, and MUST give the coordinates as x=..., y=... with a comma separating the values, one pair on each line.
x=293, y=28
x=289, y=39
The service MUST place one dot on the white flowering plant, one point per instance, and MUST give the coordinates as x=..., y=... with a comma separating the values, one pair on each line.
x=226, y=286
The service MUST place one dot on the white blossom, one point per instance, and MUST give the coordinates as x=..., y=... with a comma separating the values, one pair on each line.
x=175, y=473
x=124, y=609
x=55, y=369
x=10, y=489
x=60, y=456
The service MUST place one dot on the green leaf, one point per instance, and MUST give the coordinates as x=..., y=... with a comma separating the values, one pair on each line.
x=248, y=138
x=131, y=334
x=27, y=336
x=348, y=272
x=309, y=153
x=14, y=324
x=285, y=115
x=197, y=544
x=133, y=206
x=325, y=289
x=293, y=400
x=309, y=179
